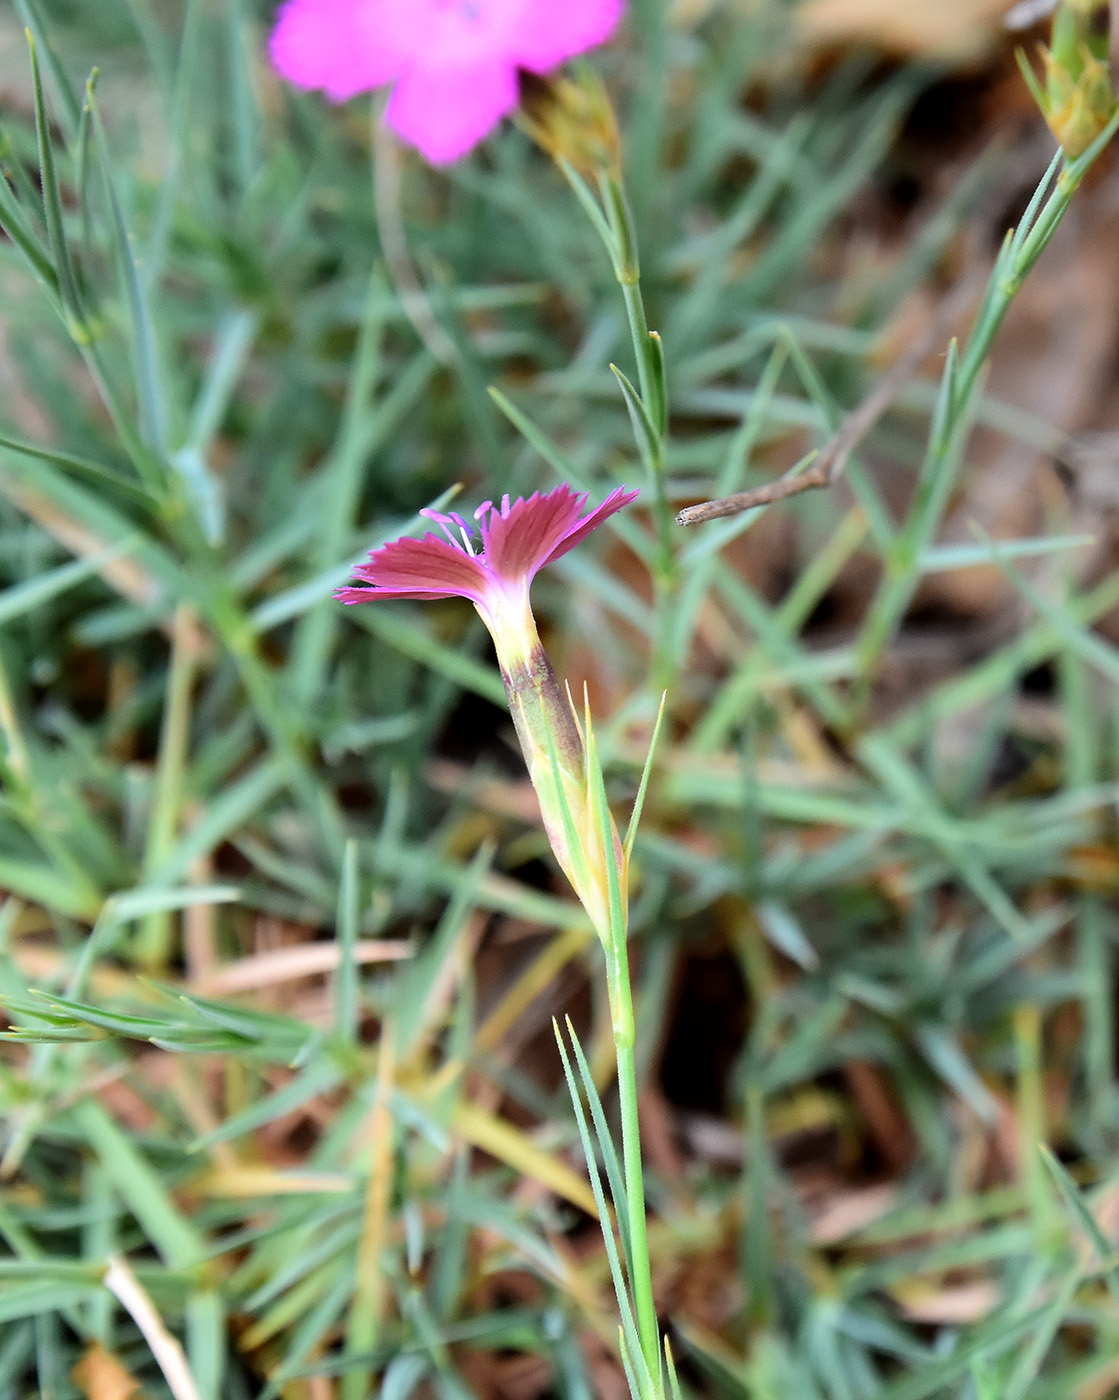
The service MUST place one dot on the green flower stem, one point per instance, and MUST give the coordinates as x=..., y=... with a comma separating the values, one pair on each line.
x=641, y=1273
x=955, y=408
x=648, y=407
x=647, y=352
x=154, y=942
x=610, y=216
x=612, y=926
x=651, y=415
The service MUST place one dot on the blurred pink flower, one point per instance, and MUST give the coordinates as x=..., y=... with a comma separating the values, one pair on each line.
x=453, y=62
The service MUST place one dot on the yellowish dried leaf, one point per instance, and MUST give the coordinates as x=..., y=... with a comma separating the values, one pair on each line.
x=948, y=1305
x=236, y=1182
x=957, y=27
x=99, y=1375
x=517, y=1149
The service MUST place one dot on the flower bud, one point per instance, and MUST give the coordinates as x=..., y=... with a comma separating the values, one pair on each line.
x=1078, y=99
x=571, y=119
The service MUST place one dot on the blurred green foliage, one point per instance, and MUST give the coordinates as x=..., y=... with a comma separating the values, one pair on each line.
x=228, y=370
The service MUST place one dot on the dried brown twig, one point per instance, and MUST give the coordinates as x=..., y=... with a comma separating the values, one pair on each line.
x=830, y=462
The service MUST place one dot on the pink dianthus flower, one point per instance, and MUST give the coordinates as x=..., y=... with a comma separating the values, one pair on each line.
x=517, y=540
x=453, y=63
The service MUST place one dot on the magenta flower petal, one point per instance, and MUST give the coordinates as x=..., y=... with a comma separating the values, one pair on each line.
x=613, y=503
x=547, y=35
x=445, y=111
x=520, y=538
x=427, y=568
x=342, y=46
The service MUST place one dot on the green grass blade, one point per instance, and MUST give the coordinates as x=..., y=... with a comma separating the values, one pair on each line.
x=32, y=18
x=643, y=786
x=52, y=208
x=347, y=1009
x=625, y=1310
x=605, y=1140
x=149, y=382
x=173, y=1235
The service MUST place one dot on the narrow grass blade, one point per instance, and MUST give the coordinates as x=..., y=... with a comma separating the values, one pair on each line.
x=1041, y=1339
x=38, y=1297
x=643, y=787
x=517, y=1150
x=605, y=1140
x=346, y=986
x=52, y=207
x=643, y=429
x=206, y=1332
x=149, y=384
x=23, y=598
x=33, y=19
x=172, y=1234
x=328, y=1303
x=322, y=1076
x=1070, y=1194
x=19, y=229
x=418, y=642
x=535, y=437
x=962, y=556
x=1087, y=645
x=986, y=1341
x=591, y=208
x=224, y=814
x=95, y=472
x=167, y=1350
x=417, y=997
x=674, y=1390
x=363, y=1328
x=625, y=1310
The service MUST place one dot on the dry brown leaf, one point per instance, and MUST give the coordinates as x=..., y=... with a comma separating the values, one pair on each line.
x=885, y=1118
x=125, y=575
x=957, y=27
x=955, y=1304
x=100, y=1376
x=287, y=964
x=844, y=1213
x=1102, y=1386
